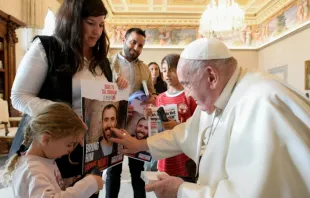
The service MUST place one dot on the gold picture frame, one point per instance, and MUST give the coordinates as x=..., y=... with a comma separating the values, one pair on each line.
x=307, y=75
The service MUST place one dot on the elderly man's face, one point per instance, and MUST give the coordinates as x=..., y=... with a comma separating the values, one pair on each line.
x=142, y=129
x=196, y=84
x=108, y=122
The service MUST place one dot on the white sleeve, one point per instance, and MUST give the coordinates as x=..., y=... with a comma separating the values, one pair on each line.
x=268, y=156
x=29, y=79
x=167, y=143
x=40, y=186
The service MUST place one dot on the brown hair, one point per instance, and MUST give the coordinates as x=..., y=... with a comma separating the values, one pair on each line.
x=139, y=31
x=68, y=30
x=171, y=60
x=58, y=119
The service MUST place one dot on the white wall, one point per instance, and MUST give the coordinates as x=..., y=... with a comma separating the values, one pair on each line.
x=12, y=7
x=292, y=51
x=246, y=58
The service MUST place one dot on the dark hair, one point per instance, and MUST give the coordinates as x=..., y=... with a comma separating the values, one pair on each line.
x=153, y=63
x=109, y=106
x=159, y=78
x=136, y=30
x=68, y=30
x=171, y=60
x=143, y=118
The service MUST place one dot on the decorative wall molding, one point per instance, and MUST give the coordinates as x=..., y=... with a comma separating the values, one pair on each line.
x=154, y=21
x=272, y=9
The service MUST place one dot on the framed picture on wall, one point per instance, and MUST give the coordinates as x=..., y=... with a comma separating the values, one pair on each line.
x=280, y=72
x=307, y=75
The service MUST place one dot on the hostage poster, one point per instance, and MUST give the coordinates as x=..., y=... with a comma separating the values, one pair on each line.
x=104, y=106
x=137, y=124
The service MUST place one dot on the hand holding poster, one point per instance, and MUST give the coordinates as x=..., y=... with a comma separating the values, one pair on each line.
x=104, y=107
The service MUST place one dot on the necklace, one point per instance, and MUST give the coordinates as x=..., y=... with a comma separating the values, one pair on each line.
x=216, y=114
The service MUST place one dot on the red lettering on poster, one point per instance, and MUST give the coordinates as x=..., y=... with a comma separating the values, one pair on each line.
x=90, y=165
x=102, y=163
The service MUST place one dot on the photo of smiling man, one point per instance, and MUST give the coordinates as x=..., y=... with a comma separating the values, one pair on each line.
x=142, y=129
x=109, y=120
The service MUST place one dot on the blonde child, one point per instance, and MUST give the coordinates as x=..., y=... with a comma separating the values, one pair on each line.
x=175, y=166
x=54, y=132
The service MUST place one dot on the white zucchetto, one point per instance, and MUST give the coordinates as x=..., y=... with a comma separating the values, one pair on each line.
x=206, y=49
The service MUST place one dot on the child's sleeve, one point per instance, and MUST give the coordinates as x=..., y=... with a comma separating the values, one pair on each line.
x=40, y=186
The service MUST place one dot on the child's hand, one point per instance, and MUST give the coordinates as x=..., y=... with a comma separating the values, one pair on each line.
x=147, y=113
x=99, y=181
x=170, y=124
x=149, y=101
x=130, y=110
x=122, y=82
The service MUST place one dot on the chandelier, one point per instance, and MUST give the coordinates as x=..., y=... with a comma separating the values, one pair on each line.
x=221, y=16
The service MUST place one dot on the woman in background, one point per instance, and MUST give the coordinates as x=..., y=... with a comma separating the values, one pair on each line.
x=158, y=82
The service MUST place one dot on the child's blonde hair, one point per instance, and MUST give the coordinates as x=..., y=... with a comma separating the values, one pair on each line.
x=57, y=119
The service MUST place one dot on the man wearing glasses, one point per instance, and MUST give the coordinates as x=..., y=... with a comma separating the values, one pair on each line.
x=255, y=130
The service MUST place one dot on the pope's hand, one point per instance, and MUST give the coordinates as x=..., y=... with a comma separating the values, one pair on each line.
x=131, y=144
x=166, y=187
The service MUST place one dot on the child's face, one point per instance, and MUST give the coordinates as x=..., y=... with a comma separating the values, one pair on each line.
x=56, y=148
x=170, y=75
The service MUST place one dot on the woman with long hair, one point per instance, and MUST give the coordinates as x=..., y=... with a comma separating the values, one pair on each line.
x=158, y=82
x=54, y=65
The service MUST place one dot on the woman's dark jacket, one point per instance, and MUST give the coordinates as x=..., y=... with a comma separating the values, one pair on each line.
x=57, y=87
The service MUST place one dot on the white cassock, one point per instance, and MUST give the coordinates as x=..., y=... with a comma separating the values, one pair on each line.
x=259, y=146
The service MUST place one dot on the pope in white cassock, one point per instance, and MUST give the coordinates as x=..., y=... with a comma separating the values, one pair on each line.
x=251, y=130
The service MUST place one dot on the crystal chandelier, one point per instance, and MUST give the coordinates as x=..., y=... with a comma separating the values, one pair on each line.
x=221, y=16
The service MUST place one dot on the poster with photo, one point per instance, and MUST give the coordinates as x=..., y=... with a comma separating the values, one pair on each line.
x=137, y=125
x=104, y=106
x=154, y=123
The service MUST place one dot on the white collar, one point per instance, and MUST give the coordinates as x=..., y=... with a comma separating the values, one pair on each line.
x=228, y=89
x=174, y=95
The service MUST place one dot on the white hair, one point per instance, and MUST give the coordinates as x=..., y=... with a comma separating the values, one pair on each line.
x=195, y=65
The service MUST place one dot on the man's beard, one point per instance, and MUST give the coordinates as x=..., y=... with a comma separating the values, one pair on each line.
x=140, y=137
x=130, y=55
x=104, y=134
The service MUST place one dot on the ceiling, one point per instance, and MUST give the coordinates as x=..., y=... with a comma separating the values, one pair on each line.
x=183, y=12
